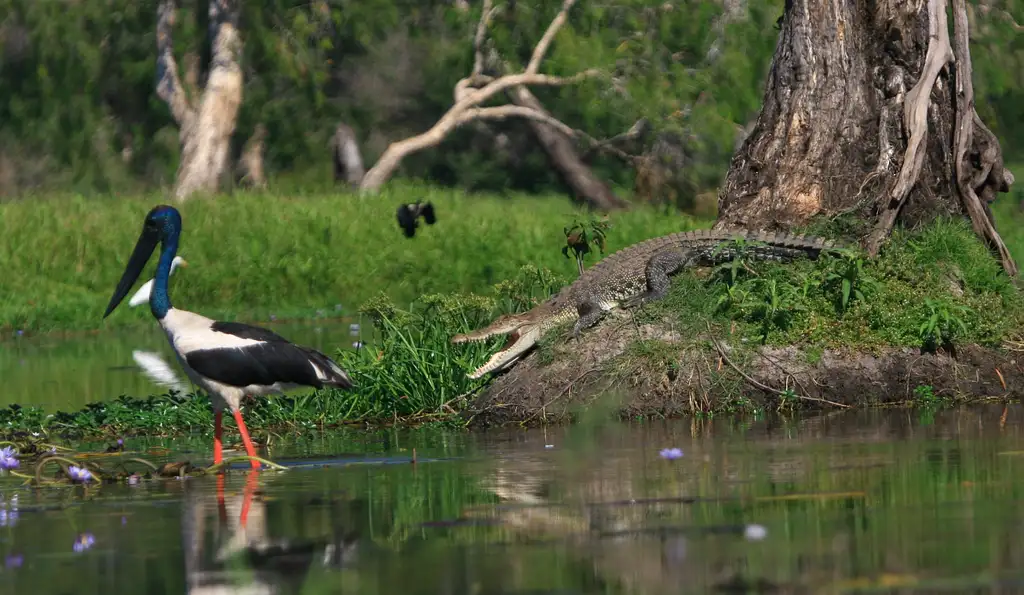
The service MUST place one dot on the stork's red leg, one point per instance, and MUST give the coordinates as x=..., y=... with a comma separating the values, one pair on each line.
x=218, y=429
x=249, y=450
x=222, y=510
x=248, y=492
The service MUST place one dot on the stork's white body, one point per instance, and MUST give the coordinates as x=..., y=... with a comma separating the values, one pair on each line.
x=223, y=355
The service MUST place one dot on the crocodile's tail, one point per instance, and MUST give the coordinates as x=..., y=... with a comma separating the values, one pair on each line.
x=761, y=245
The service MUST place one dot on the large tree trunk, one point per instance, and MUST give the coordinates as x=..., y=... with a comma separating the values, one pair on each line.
x=206, y=128
x=863, y=113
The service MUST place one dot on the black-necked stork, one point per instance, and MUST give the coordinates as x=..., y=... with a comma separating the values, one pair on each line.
x=228, y=359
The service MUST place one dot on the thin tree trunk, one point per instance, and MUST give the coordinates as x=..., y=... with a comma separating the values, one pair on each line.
x=859, y=116
x=206, y=150
x=205, y=129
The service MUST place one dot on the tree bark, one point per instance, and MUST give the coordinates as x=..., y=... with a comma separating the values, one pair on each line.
x=862, y=115
x=562, y=153
x=250, y=164
x=206, y=122
x=348, y=161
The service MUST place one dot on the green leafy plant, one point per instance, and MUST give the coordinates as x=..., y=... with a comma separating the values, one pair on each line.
x=581, y=235
x=944, y=323
x=846, y=279
x=771, y=304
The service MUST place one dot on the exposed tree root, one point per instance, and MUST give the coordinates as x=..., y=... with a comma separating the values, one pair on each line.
x=991, y=176
x=991, y=167
x=915, y=116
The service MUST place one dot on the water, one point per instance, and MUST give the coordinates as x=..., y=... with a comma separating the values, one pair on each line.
x=842, y=503
x=65, y=373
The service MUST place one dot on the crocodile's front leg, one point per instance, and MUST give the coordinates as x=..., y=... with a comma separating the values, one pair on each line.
x=589, y=313
x=657, y=272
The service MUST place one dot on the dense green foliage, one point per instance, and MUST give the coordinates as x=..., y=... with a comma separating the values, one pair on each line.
x=77, y=84
x=253, y=255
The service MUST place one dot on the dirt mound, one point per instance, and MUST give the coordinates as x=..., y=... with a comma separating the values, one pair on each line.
x=651, y=370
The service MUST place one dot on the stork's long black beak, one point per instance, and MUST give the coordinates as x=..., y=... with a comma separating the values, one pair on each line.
x=140, y=256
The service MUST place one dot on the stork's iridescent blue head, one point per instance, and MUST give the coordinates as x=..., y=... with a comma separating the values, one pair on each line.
x=162, y=225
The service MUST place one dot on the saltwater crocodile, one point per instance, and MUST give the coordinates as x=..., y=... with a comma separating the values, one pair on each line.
x=629, y=277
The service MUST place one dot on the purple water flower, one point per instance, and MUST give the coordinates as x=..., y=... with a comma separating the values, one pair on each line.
x=14, y=560
x=671, y=453
x=133, y=479
x=79, y=473
x=8, y=458
x=83, y=542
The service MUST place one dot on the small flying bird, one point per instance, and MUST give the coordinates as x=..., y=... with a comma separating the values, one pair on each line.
x=409, y=213
x=229, y=360
x=142, y=295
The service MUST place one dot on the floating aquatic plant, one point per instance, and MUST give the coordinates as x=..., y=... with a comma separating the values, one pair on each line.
x=83, y=542
x=8, y=458
x=77, y=473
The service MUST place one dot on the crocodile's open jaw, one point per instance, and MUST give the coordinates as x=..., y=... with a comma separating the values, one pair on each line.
x=502, y=326
x=519, y=342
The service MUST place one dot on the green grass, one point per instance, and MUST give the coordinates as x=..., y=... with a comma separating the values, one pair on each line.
x=930, y=287
x=252, y=254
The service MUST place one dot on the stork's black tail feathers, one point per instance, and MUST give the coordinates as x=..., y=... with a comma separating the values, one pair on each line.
x=334, y=376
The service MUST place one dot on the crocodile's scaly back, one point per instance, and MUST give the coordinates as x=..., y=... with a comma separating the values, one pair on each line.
x=622, y=273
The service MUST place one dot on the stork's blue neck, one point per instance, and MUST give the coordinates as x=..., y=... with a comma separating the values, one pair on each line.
x=159, y=298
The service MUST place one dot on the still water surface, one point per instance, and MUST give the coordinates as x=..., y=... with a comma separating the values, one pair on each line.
x=836, y=504
x=65, y=373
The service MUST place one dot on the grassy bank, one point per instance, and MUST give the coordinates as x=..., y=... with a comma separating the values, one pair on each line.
x=252, y=254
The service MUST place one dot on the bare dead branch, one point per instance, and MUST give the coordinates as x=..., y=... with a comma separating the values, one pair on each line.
x=545, y=42
x=504, y=112
x=498, y=85
x=168, y=86
x=477, y=77
x=963, y=138
x=915, y=117
x=478, y=39
x=474, y=90
x=395, y=152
